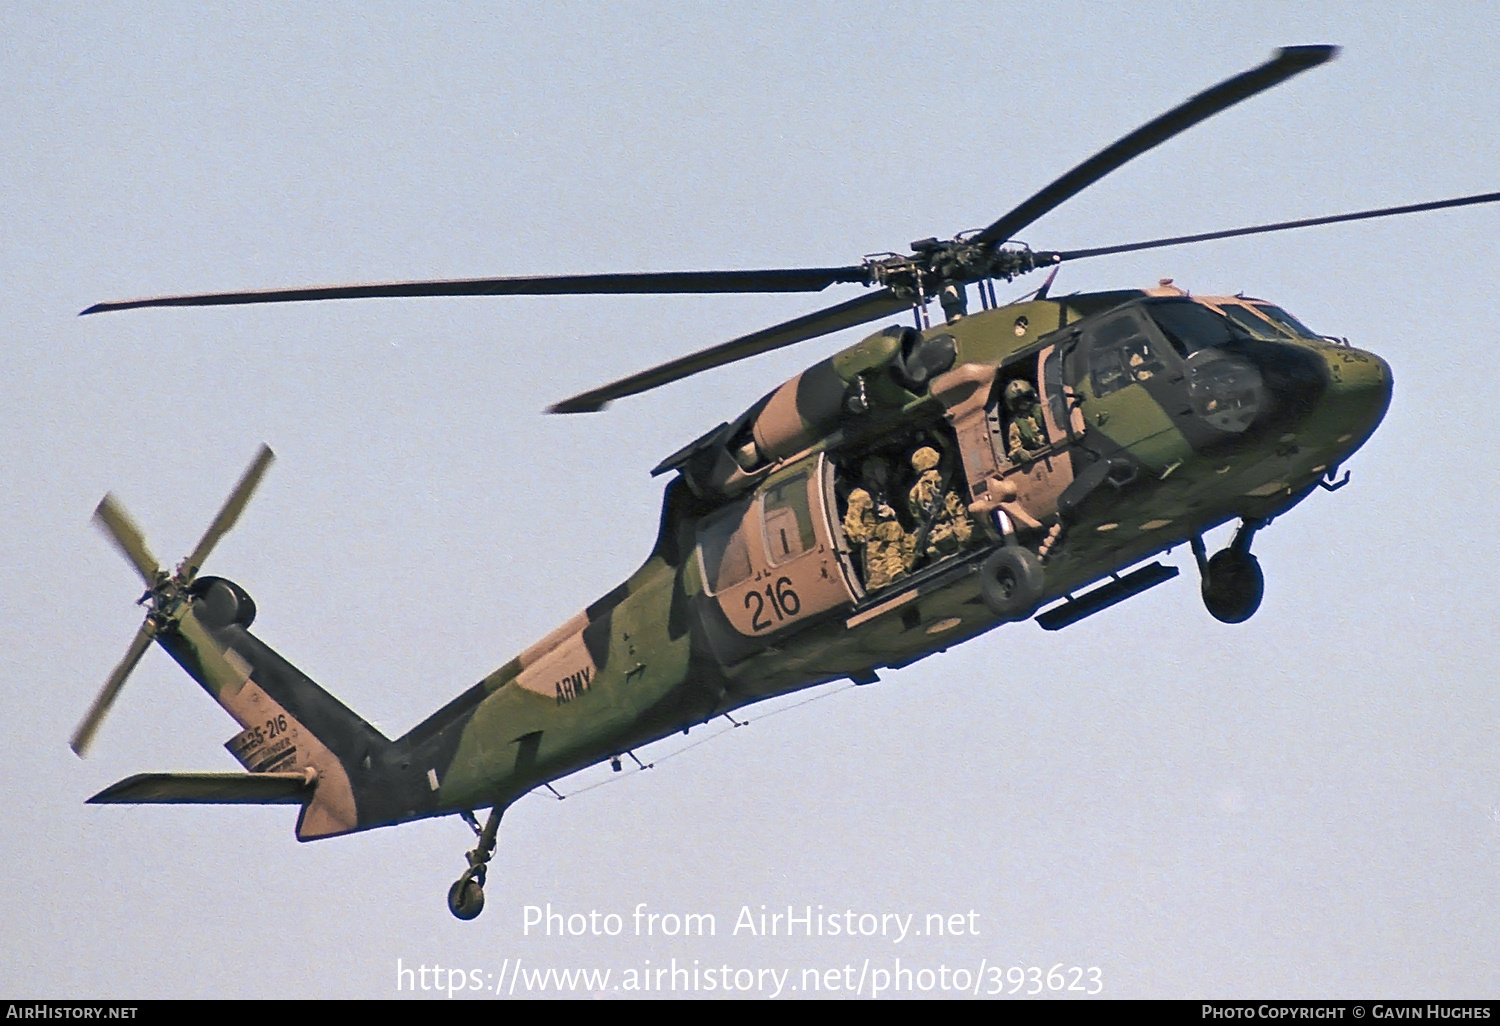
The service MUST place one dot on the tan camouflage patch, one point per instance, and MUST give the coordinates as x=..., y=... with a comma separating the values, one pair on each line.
x=564, y=673
x=274, y=741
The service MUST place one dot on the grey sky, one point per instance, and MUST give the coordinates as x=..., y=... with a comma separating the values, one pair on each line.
x=1305, y=805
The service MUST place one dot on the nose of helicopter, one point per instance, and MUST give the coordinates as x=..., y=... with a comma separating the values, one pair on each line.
x=1359, y=392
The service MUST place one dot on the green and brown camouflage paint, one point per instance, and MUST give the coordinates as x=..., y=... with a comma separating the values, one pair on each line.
x=661, y=653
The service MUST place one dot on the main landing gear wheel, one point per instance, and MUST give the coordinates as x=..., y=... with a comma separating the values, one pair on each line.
x=1233, y=583
x=1233, y=586
x=466, y=896
x=1013, y=583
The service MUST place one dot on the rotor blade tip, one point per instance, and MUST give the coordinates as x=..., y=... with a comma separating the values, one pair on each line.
x=1308, y=56
x=576, y=406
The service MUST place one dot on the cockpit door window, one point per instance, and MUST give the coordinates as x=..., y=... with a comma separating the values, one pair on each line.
x=1122, y=354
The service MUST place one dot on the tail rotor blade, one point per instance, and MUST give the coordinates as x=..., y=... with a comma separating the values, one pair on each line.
x=233, y=507
x=115, y=522
x=221, y=674
x=84, y=735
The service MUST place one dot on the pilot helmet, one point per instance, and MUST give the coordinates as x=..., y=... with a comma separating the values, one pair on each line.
x=1019, y=395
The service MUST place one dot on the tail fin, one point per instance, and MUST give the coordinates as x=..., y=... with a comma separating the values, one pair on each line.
x=291, y=725
x=299, y=742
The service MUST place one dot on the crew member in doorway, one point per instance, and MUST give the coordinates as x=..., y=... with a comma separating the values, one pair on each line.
x=888, y=549
x=1026, y=437
x=929, y=504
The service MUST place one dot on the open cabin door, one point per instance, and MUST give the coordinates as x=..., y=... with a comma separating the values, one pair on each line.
x=1025, y=489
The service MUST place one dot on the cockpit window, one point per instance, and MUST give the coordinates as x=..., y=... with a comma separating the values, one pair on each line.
x=1255, y=325
x=1191, y=326
x=1120, y=354
x=1280, y=316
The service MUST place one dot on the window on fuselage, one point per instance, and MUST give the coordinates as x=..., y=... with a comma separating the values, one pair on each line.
x=1280, y=316
x=788, y=520
x=724, y=548
x=1121, y=354
x=1052, y=388
x=1258, y=326
x=1191, y=326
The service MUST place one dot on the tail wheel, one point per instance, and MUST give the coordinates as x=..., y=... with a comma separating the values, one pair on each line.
x=1233, y=586
x=466, y=897
x=1013, y=583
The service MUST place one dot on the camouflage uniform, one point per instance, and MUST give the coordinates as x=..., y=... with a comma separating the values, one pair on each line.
x=951, y=528
x=1026, y=437
x=889, y=551
x=859, y=521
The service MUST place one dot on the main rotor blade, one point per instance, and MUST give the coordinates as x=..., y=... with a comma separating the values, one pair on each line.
x=869, y=307
x=89, y=725
x=1259, y=229
x=799, y=279
x=115, y=522
x=233, y=507
x=1288, y=61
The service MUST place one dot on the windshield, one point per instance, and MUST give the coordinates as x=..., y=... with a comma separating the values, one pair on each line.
x=1280, y=316
x=1191, y=326
x=1258, y=326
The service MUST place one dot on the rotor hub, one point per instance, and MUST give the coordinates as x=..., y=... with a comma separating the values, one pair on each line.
x=935, y=265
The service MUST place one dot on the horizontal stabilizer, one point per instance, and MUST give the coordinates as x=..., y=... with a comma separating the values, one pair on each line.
x=210, y=789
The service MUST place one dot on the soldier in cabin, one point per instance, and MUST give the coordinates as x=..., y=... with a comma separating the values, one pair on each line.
x=888, y=549
x=931, y=505
x=1026, y=437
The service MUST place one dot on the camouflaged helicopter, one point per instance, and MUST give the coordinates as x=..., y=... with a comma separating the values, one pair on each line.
x=1146, y=418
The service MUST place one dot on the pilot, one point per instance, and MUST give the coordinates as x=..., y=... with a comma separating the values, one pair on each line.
x=1026, y=437
x=928, y=503
x=1138, y=365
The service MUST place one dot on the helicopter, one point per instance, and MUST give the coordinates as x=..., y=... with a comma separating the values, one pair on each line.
x=1019, y=461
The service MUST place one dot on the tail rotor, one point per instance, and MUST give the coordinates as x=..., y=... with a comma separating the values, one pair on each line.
x=167, y=597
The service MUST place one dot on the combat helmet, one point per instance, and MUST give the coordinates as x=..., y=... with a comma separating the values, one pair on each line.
x=1019, y=395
